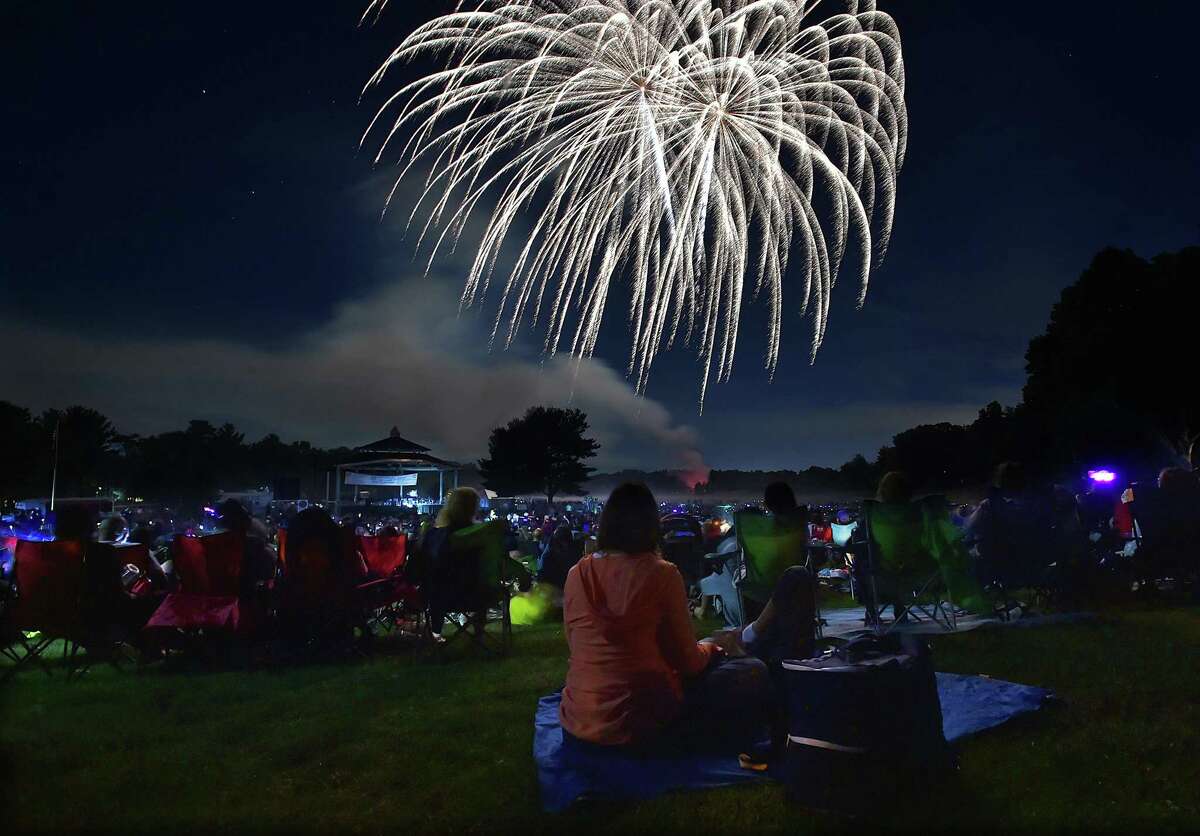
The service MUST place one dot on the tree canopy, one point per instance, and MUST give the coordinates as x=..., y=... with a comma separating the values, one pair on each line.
x=1109, y=377
x=542, y=451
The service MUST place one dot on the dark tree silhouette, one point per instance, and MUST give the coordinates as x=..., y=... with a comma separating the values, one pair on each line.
x=542, y=451
x=25, y=453
x=87, y=453
x=1113, y=375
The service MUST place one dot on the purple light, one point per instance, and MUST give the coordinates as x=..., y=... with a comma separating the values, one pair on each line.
x=1104, y=476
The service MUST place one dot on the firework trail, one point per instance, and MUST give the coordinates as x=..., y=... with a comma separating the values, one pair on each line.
x=690, y=146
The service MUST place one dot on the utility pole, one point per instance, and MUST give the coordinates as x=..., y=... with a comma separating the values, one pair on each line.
x=54, y=474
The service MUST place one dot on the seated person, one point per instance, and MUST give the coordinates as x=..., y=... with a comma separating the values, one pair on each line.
x=637, y=676
x=320, y=576
x=451, y=581
x=259, y=561
x=894, y=488
x=786, y=517
x=1178, y=537
x=161, y=573
x=1179, y=486
x=1007, y=496
x=780, y=502
x=564, y=552
x=112, y=529
x=74, y=523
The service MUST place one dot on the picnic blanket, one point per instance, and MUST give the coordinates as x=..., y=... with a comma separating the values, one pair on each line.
x=970, y=704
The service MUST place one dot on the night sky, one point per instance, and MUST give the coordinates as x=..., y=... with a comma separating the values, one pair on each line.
x=189, y=230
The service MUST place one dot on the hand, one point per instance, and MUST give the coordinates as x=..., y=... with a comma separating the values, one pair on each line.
x=730, y=642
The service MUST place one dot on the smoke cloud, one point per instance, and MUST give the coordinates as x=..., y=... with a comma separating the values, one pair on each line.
x=402, y=356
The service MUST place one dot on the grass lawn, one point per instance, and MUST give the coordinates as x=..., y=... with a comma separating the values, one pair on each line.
x=391, y=744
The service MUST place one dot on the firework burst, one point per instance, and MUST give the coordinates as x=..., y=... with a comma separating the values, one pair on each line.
x=690, y=146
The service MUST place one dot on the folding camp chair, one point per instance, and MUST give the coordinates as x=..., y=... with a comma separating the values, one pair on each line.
x=767, y=550
x=209, y=570
x=484, y=544
x=46, y=603
x=905, y=544
x=385, y=592
x=725, y=563
x=1167, y=532
x=1016, y=547
x=316, y=601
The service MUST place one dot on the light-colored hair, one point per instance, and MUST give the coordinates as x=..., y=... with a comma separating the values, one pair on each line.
x=460, y=508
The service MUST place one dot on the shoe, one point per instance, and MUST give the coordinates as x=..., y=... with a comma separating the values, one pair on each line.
x=750, y=762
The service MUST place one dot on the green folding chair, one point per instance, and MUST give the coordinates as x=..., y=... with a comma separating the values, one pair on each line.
x=767, y=550
x=485, y=543
x=915, y=558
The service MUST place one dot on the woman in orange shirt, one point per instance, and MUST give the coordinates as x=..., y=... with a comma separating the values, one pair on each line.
x=637, y=675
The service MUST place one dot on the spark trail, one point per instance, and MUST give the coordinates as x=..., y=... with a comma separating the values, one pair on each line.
x=689, y=146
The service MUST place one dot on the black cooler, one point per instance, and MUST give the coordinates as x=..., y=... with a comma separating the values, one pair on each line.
x=864, y=725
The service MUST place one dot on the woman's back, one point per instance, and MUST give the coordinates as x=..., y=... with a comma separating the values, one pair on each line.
x=630, y=640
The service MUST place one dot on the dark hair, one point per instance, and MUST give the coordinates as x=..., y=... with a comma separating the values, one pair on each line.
x=143, y=534
x=315, y=525
x=629, y=522
x=74, y=522
x=1010, y=477
x=1177, y=481
x=111, y=528
x=894, y=488
x=779, y=498
x=232, y=516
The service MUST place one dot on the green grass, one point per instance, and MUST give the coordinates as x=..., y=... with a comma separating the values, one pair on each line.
x=392, y=744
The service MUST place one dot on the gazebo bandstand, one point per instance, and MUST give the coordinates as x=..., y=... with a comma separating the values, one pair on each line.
x=387, y=462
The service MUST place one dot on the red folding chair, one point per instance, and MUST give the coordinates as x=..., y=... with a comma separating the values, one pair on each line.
x=316, y=600
x=209, y=570
x=389, y=597
x=49, y=584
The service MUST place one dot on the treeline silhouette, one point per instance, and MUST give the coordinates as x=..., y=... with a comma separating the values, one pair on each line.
x=1112, y=381
x=186, y=467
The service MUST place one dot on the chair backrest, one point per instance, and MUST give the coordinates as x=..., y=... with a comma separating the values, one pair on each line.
x=209, y=565
x=917, y=539
x=486, y=542
x=1019, y=534
x=769, y=549
x=49, y=578
x=842, y=533
x=384, y=555
x=897, y=534
x=311, y=578
x=134, y=554
x=1167, y=526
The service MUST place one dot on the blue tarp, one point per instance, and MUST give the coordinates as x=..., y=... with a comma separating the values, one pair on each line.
x=970, y=704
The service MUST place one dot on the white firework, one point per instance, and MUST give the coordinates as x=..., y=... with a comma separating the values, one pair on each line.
x=686, y=145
